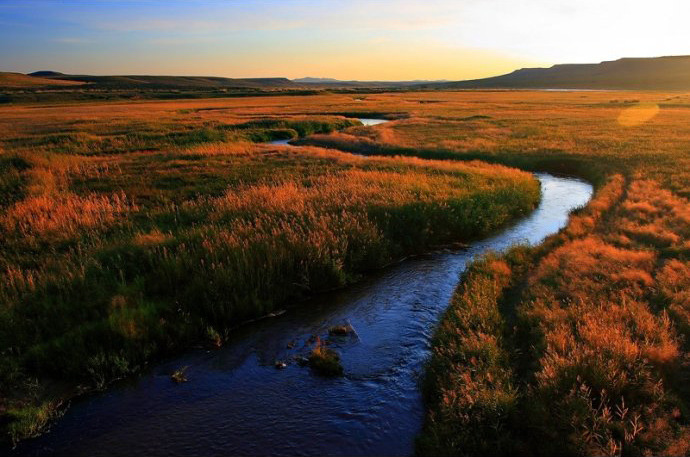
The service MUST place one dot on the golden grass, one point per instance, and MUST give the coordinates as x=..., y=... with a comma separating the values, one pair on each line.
x=63, y=217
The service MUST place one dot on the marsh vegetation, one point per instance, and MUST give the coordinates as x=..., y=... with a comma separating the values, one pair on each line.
x=125, y=239
x=123, y=245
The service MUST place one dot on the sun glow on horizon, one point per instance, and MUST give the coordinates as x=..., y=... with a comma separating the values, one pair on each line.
x=380, y=40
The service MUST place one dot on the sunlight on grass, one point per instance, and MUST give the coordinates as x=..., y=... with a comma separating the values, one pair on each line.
x=638, y=114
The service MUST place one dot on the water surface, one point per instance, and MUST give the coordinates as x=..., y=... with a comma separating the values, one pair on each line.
x=237, y=403
x=280, y=141
x=370, y=121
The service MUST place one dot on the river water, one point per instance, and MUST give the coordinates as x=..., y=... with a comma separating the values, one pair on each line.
x=238, y=403
x=370, y=121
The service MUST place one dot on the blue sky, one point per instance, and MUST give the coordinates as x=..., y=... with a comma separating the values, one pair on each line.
x=404, y=39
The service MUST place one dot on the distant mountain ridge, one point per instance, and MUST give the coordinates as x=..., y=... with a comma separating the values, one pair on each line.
x=204, y=82
x=310, y=79
x=332, y=82
x=46, y=74
x=167, y=82
x=208, y=82
x=642, y=73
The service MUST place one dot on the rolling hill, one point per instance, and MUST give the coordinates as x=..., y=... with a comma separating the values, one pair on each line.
x=20, y=80
x=167, y=82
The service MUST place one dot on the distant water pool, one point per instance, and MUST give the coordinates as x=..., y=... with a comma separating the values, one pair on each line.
x=371, y=121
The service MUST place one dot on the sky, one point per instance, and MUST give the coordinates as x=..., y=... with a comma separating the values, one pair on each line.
x=364, y=40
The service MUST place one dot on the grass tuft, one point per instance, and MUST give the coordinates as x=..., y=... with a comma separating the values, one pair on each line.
x=325, y=361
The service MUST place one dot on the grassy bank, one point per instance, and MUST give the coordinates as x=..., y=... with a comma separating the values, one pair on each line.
x=128, y=245
x=577, y=348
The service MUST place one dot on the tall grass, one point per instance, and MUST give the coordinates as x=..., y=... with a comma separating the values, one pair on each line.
x=470, y=387
x=112, y=259
x=587, y=360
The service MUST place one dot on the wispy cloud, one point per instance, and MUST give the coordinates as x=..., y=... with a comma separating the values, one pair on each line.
x=154, y=24
x=401, y=15
x=72, y=40
x=176, y=41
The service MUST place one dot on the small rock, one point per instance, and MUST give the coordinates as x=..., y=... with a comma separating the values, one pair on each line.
x=179, y=375
x=341, y=330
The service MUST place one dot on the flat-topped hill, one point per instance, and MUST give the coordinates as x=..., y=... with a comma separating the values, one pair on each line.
x=668, y=73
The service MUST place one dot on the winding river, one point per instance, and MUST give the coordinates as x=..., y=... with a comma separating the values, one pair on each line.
x=238, y=403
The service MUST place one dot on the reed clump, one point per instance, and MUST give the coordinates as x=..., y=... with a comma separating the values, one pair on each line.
x=324, y=360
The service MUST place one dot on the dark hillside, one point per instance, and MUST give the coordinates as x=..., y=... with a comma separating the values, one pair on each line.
x=667, y=73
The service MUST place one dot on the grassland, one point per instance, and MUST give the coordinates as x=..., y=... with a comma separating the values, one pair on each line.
x=578, y=346
x=133, y=230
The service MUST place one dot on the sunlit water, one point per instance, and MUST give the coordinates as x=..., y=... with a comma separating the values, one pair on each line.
x=370, y=121
x=237, y=403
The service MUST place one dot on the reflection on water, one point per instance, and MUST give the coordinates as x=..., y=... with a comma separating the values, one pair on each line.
x=280, y=141
x=369, y=121
x=237, y=403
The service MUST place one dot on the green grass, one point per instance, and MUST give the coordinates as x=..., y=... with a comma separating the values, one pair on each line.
x=30, y=421
x=469, y=387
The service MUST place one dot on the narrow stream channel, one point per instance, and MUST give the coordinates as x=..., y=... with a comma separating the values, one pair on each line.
x=237, y=403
